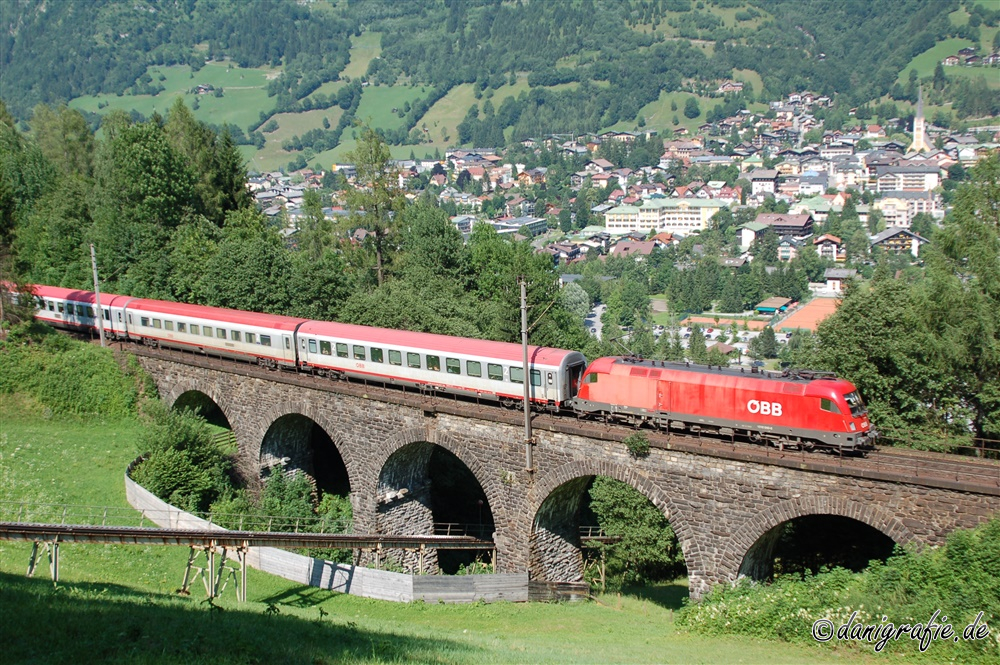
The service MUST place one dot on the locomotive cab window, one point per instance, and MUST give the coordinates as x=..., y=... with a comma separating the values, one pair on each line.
x=265, y=340
x=473, y=368
x=395, y=357
x=359, y=352
x=434, y=363
x=495, y=372
x=413, y=360
x=536, y=377
x=376, y=355
x=591, y=378
x=855, y=404
x=828, y=405
x=325, y=348
x=341, y=350
x=312, y=346
x=517, y=375
x=453, y=365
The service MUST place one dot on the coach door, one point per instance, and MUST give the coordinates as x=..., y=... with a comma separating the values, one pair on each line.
x=288, y=353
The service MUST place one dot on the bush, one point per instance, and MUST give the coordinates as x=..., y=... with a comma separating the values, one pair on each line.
x=637, y=444
x=69, y=376
x=183, y=465
x=959, y=579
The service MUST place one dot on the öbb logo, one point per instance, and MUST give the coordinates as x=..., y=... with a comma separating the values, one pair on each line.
x=764, y=408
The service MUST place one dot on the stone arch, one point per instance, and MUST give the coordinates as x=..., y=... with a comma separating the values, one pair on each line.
x=209, y=389
x=431, y=434
x=272, y=415
x=739, y=545
x=562, y=476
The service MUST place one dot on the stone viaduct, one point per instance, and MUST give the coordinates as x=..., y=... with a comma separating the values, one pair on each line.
x=724, y=509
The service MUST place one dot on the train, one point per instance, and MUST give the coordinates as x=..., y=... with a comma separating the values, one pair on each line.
x=793, y=409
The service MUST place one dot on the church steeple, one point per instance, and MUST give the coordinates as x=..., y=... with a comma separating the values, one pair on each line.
x=919, y=128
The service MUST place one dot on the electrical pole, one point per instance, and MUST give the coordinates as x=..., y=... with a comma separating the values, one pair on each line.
x=528, y=466
x=97, y=292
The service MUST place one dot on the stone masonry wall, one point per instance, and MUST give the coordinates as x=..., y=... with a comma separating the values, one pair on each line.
x=719, y=508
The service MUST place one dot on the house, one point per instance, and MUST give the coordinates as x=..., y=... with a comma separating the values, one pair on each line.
x=763, y=182
x=773, y=305
x=788, y=248
x=599, y=165
x=951, y=61
x=750, y=232
x=899, y=208
x=897, y=241
x=787, y=224
x=907, y=177
x=830, y=247
x=730, y=86
x=636, y=249
x=836, y=277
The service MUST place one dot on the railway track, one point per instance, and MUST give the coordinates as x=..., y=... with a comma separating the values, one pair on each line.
x=965, y=473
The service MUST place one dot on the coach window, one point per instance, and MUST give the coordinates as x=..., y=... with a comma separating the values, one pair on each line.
x=169, y=325
x=265, y=340
x=251, y=338
x=82, y=310
x=157, y=323
x=206, y=331
x=107, y=314
x=828, y=405
x=195, y=329
x=453, y=365
x=495, y=372
x=413, y=360
x=181, y=327
x=234, y=335
x=325, y=348
x=220, y=333
x=395, y=357
x=536, y=377
x=516, y=375
x=434, y=363
x=60, y=306
x=359, y=352
x=52, y=306
x=376, y=355
x=312, y=346
x=473, y=368
x=90, y=311
x=143, y=321
x=341, y=350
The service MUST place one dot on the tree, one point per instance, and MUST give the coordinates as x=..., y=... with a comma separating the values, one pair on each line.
x=691, y=108
x=575, y=300
x=696, y=344
x=65, y=139
x=376, y=199
x=765, y=345
x=647, y=550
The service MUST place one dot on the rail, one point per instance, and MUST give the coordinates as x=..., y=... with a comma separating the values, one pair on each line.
x=976, y=471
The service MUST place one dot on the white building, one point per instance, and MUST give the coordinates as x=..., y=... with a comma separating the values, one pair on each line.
x=682, y=216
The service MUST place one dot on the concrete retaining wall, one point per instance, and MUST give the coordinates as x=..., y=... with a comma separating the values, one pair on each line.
x=353, y=580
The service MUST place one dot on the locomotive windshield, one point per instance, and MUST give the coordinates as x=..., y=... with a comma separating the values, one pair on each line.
x=854, y=402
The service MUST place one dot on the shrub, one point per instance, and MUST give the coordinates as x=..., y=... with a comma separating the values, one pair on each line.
x=637, y=444
x=183, y=464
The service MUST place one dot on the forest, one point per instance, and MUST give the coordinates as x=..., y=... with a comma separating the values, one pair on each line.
x=589, y=64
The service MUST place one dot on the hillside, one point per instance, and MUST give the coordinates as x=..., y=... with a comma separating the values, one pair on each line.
x=473, y=72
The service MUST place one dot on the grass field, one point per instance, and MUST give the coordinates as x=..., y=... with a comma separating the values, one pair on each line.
x=364, y=49
x=271, y=156
x=925, y=63
x=244, y=95
x=117, y=603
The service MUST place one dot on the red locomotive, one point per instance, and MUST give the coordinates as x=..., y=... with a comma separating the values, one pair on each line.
x=794, y=409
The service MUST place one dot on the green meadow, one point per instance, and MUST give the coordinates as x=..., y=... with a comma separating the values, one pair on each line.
x=118, y=603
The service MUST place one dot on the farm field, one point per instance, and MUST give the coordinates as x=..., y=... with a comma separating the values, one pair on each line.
x=271, y=156
x=925, y=63
x=364, y=49
x=117, y=603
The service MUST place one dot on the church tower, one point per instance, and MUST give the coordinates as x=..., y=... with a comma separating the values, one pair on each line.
x=919, y=128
